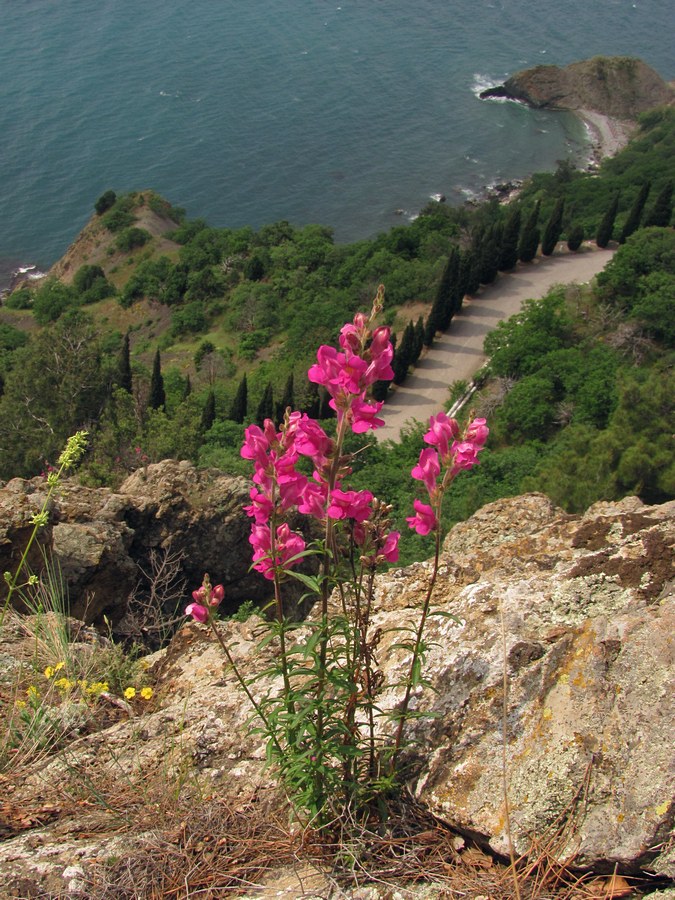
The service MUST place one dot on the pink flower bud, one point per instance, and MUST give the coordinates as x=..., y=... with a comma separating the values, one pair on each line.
x=217, y=595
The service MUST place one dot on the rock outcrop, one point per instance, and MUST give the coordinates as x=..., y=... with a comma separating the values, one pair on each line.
x=577, y=613
x=617, y=86
x=99, y=537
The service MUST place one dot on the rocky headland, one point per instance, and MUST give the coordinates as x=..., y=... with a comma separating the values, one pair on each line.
x=607, y=92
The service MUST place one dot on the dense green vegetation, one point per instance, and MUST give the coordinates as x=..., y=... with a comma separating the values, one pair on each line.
x=168, y=346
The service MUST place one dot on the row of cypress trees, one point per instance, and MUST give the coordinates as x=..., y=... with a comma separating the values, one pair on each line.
x=658, y=216
x=494, y=247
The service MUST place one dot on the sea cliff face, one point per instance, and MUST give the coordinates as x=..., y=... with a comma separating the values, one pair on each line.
x=616, y=86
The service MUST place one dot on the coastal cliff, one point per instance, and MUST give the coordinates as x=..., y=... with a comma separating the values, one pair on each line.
x=616, y=86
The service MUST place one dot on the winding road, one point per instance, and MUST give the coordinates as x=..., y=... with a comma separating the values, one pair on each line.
x=458, y=354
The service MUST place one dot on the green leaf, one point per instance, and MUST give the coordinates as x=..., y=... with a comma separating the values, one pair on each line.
x=446, y=615
x=309, y=581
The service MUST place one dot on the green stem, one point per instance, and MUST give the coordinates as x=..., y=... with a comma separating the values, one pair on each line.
x=328, y=553
x=70, y=459
x=403, y=712
x=242, y=683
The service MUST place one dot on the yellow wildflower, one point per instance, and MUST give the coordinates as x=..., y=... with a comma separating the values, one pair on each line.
x=20, y=704
x=49, y=672
x=64, y=684
x=59, y=666
x=32, y=693
x=130, y=693
x=146, y=693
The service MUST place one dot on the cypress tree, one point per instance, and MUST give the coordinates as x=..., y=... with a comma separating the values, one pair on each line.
x=529, y=237
x=208, y=413
x=403, y=355
x=313, y=405
x=443, y=301
x=124, y=379
x=529, y=243
x=662, y=210
x=490, y=254
x=157, y=399
x=266, y=406
x=465, y=266
x=470, y=275
x=633, y=221
x=240, y=403
x=508, y=256
x=287, y=399
x=604, y=235
x=575, y=237
x=553, y=228
x=419, y=339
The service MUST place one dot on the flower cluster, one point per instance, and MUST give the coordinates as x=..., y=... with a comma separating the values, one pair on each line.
x=206, y=599
x=279, y=488
x=449, y=452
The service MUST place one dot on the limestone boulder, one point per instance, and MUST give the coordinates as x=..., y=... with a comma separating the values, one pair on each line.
x=574, y=616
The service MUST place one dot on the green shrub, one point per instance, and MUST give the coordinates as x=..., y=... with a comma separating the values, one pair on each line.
x=118, y=218
x=105, y=202
x=21, y=298
x=131, y=238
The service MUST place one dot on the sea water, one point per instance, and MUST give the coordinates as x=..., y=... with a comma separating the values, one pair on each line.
x=349, y=113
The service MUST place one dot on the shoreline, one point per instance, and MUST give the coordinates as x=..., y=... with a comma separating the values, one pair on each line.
x=607, y=135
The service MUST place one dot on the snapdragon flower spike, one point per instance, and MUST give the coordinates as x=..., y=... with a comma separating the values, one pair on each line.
x=347, y=376
x=438, y=467
x=206, y=598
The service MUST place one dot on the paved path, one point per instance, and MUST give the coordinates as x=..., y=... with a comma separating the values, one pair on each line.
x=458, y=354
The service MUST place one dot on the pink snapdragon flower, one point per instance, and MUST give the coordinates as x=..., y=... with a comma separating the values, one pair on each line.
x=424, y=519
x=364, y=416
x=350, y=505
x=389, y=550
x=427, y=469
x=477, y=432
x=442, y=431
x=198, y=612
x=312, y=441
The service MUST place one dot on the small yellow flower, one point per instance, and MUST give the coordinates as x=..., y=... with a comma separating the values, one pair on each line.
x=130, y=693
x=97, y=687
x=64, y=684
x=20, y=704
x=59, y=666
x=32, y=693
x=146, y=693
x=49, y=672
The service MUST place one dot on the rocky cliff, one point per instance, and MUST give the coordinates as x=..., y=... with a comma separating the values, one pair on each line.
x=617, y=86
x=576, y=612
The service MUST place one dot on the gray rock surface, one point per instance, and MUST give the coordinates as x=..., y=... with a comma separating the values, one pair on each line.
x=584, y=607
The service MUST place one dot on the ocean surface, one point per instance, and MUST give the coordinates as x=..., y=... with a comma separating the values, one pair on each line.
x=248, y=111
